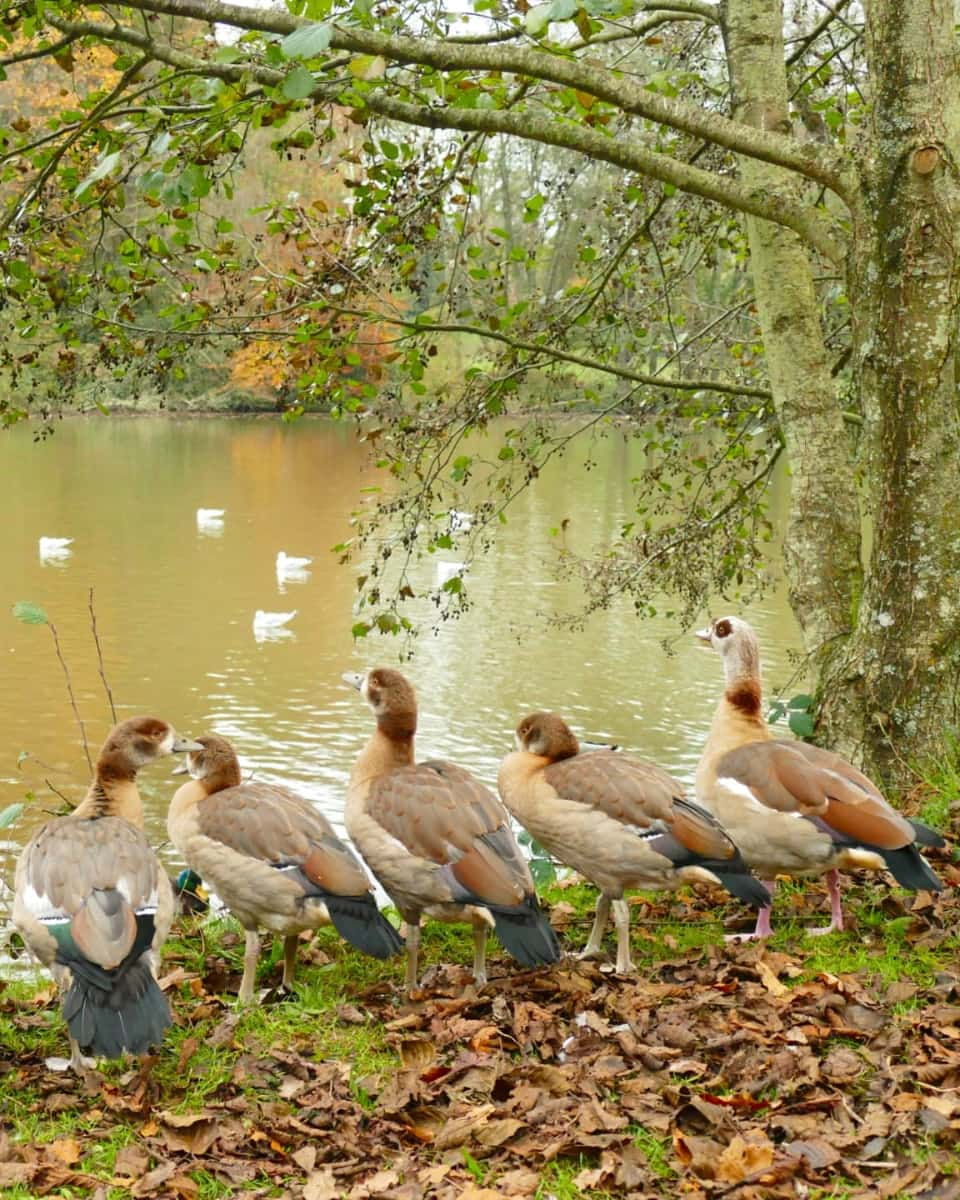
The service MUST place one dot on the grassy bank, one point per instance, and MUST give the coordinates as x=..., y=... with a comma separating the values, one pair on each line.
x=821, y=1067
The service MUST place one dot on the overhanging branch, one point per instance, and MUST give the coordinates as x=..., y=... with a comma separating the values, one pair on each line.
x=820, y=163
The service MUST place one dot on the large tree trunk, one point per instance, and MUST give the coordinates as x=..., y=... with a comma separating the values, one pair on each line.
x=822, y=544
x=892, y=690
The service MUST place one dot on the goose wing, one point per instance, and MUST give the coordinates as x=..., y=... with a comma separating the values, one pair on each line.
x=90, y=890
x=440, y=812
x=789, y=776
x=280, y=828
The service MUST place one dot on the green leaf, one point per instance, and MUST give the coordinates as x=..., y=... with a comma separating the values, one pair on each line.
x=298, y=84
x=100, y=171
x=360, y=630
x=9, y=814
x=307, y=42
x=801, y=723
x=537, y=19
x=194, y=183
x=563, y=10
x=801, y=702
x=30, y=613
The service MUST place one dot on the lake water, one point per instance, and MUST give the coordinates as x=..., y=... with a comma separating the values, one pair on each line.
x=175, y=604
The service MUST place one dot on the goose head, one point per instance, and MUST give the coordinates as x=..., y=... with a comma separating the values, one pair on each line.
x=547, y=735
x=213, y=761
x=391, y=698
x=137, y=741
x=736, y=643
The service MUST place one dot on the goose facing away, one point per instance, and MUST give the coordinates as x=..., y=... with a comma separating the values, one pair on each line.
x=793, y=808
x=273, y=859
x=617, y=820
x=438, y=840
x=94, y=906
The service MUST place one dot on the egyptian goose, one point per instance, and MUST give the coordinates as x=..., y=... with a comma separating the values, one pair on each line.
x=273, y=859
x=437, y=839
x=94, y=906
x=793, y=808
x=620, y=822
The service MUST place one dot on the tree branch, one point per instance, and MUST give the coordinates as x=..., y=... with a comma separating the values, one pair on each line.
x=815, y=228
x=820, y=163
x=811, y=224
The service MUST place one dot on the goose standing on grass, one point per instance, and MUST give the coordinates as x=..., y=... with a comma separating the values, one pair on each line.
x=792, y=808
x=94, y=906
x=273, y=859
x=617, y=820
x=437, y=839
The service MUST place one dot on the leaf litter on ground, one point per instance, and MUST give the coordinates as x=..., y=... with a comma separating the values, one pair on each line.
x=718, y=1070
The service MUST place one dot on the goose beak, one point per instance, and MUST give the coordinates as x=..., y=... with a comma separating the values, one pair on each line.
x=702, y=634
x=184, y=745
x=353, y=678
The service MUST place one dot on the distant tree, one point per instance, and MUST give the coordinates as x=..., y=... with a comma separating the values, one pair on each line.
x=663, y=142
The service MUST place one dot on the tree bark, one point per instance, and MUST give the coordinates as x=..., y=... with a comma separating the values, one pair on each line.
x=893, y=689
x=822, y=541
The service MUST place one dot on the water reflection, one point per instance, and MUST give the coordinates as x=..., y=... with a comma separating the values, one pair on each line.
x=174, y=600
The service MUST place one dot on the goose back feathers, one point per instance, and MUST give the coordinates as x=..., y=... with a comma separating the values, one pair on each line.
x=93, y=905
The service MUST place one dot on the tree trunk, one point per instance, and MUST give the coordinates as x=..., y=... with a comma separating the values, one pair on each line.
x=822, y=543
x=893, y=688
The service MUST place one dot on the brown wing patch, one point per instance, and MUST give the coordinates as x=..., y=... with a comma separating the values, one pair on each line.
x=440, y=812
x=275, y=825
x=796, y=777
x=698, y=831
x=627, y=789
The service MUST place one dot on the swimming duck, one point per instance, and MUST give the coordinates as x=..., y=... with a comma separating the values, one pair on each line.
x=793, y=808
x=273, y=859
x=292, y=562
x=438, y=840
x=55, y=547
x=94, y=906
x=449, y=570
x=617, y=820
x=272, y=620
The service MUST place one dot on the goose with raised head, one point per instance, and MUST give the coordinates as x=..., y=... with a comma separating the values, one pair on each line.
x=792, y=808
x=94, y=906
x=438, y=840
x=619, y=821
x=273, y=859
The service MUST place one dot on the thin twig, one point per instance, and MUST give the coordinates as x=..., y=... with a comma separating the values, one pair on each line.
x=73, y=699
x=71, y=804
x=103, y=674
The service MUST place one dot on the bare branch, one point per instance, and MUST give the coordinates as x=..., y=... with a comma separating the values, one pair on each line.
x=812, y=225
x=73, y=699
x=96, y=640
